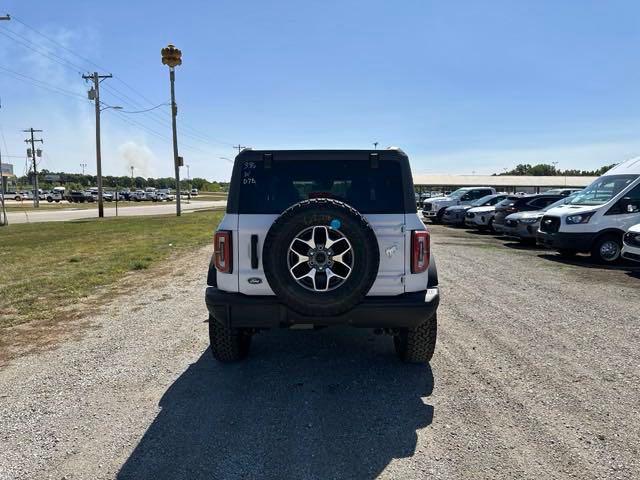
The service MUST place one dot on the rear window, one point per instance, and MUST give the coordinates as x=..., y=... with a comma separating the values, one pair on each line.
x=273, y=190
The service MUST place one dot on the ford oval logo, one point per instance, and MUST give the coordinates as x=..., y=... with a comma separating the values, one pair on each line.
x=254, y=281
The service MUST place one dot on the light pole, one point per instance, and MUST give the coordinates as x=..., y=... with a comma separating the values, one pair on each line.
x=172, y=57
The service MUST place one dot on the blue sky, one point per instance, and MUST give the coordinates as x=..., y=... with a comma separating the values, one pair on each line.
x=461, y=86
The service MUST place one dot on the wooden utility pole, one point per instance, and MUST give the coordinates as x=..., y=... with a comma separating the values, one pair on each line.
x=94, y=94
x=34, y=156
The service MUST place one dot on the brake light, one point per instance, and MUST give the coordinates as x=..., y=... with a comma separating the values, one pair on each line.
x=420, y=250
x=223, y=251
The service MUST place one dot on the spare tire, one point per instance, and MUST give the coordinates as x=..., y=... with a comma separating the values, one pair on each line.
x=321, y=257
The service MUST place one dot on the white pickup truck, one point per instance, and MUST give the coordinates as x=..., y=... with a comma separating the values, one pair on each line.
x=434, y=208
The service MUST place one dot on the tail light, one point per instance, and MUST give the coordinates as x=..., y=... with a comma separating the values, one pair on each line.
x=420, y=250
x=223, y=251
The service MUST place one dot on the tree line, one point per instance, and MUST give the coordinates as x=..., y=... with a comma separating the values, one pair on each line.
x=78, y=181
x=543, y=169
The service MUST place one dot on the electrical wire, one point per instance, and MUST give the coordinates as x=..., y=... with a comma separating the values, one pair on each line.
x=42, y=84
x=151, y=114
x=147, y=110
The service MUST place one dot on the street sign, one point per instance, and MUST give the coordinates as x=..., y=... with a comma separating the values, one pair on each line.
x=6, y=169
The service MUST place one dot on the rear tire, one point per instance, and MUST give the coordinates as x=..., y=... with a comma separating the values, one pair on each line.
x=228, y=344
x=417, y=345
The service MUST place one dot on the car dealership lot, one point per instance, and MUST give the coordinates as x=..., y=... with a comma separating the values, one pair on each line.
x=535, y=375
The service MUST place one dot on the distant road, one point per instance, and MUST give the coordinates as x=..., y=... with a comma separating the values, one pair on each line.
x=71, y=214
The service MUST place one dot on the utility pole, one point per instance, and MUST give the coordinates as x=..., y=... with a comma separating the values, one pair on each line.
x=83, y=165
x=375, y=145
x=34, y=155
x=6, y=17
x=4, y=221
x=94, y=94
x=131, y=175
x=239, y=147
x=189, y=183
x=172, y=57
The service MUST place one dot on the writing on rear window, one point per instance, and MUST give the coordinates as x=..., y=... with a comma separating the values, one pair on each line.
x=369, y=190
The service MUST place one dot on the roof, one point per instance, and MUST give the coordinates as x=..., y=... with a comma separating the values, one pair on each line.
x=442, y=180
x=631, y=166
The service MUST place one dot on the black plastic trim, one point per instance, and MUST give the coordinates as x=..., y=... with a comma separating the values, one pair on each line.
x=581, y=242
x=237, y=310
x=254, y=252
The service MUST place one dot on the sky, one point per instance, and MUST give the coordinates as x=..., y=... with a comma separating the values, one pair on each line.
x=460, y=86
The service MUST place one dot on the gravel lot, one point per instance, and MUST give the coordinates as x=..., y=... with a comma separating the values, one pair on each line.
x=536, y=375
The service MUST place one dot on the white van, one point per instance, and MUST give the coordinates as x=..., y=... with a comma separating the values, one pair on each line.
x=595, y=220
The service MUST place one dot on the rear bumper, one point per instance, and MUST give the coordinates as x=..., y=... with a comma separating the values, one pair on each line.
x=580, y=242
x=237, y=310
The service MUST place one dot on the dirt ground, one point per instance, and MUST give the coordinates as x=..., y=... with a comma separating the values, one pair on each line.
x=536, y=375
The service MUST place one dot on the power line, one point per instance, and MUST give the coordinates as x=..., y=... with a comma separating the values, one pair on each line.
x=147, y=110
x=45, y=52
x=51, y=56
x=40, y=83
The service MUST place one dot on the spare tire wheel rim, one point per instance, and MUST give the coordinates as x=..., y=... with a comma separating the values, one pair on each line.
x=320, y=258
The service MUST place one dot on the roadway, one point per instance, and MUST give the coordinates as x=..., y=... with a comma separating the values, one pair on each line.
x=64, y=215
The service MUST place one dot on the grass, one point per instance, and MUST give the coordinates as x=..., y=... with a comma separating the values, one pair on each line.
x=46, y=268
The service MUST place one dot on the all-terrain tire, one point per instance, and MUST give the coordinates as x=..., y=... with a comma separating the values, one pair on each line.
x=417, y=345
x=352, y=225
x=228, y=344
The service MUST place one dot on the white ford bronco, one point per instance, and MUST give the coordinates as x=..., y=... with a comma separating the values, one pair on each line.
x=316, y=238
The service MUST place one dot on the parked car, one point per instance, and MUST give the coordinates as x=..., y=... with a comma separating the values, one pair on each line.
x=23, y=195
x=298, y=248
x=434, y=208
x=595, y=220
x=163, y=197
x=79, y=196
x=482, y=218
x=138, y=196
x=631, y=241
x=124, y=194
x=10, y=194
x=456, y=215
x=194, y=192
x=524, y=225
x=57, y=194
x=522, y=203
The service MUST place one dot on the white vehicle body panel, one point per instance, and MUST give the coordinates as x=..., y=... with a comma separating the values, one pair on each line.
x=438, y=203
x=631, y=249
x=482, y=216
x=389, y=230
